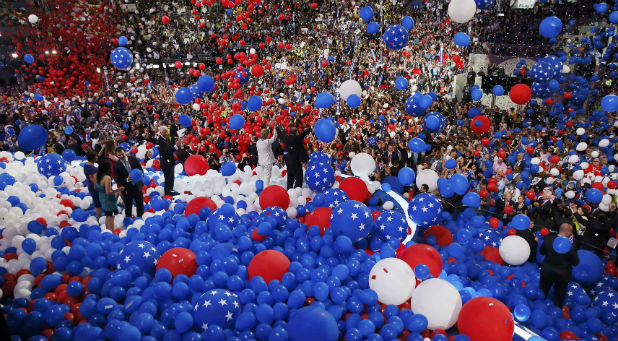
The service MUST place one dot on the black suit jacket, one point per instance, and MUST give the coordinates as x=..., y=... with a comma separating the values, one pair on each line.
x=166, y=152
x=121, y=174
x=558, y=266
x=294, y=146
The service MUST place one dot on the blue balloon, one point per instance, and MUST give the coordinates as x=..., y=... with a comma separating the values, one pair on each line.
x=424, y=209
x=562, y=244
x=432, y=122
x=28, y=245
x=406, y=176
x=28, y=58
x=461, y=39
x=184, y=121
x=407, y=22
x=302, y=324
x=520, y=222
x=396, y=37
x=206, y=83
x=38, y=97
x=259, y=185
x=121, y=58
x=459, y=183
x=122, y=41
x=609, y=103
x=550, y=27
x=613, y=17
x=254, y=103
x=498, y=90
x=450, y=164
x=319, y=176
x=352, y=219
x=372, y=27
x=216, y=307
x=589, y=270
x=366, y=13
x=228, y=168
x=417, y=145
x=51, y=164
x=324, y=100
x=471, y=199
x=401, y=83
x=353, y=101
x=184, y=96
x=69, y=155
x=141, y=254
x=521, y=312
x=237, y=122
x=392, y=226
x=594, y=196
x=477, y=94
x=136, y=175
x=325, y=130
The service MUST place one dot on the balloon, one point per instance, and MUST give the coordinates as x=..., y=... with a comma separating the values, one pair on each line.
x=486, y=318
x=480, y=124
x=205, y=83
x=450, y=164
x=184, y=121
x=254, y=103
x=28, y=58
x=423, y=254
x=443, y=236
x=396, y=37
x=257, y=70
x=136, y=176
x=459, y=183
x=353, y=101
x=594, y=196
x=461, y=39
x=514, y=250
x=178, y=261
x=362, y=164
x=196, y=164
x=406, y=176
x=237, y=122
x=140, y=253
x=372, y=27
x=432, y=122
x=437, y=300
x=562, y=244
x=461, y=11
x=520, y=222
x=324, y=100
x=122, y=58
x=520, y=93
x=69, y=155
x=302, y=325
x=184, y=96
x=589, y=270
x=274, y=195
x=393, y=280
x=471, y=199
x=348, y=88
x=417, y=145
x=319, y=176
x=428, y=177
x=51, y=164
x=320, y=217
x=325, y=130
x=217, y=307
x=33, y=19
x=195, y=205
x=401, y=83
x=407, y=22
x=352, y=219
x=498, y=90
x=228, y=168
x=122, y=41
x=366, y=13
x=268, y=264
x=355, y=188
x=550, y=27
x=32, y=137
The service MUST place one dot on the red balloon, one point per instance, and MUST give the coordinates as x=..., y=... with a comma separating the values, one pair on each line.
x=554, y=159
x=485, y=141
x=268, y=264
x=544, y=232
x=179, y=261
x=486, y=318
x=568, y=335
x=165, y=19
x=492, y=254
x=196, y=164
x=612, y=184
x=484, y=193
x=502, y=154
x=520, y=94
x=257, y=70
x=194, y=206
x=355, y=188
x=274, y=196
x=319, y=217
x=531, y=195
x=494, y=222
x=480, y=124
x=444, y=237
x=423, y=254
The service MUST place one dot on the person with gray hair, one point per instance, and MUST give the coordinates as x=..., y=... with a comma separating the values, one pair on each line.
x=166, y=158
x=266, y=158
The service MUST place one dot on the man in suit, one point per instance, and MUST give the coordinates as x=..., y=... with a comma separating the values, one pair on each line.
x=132, y=192
x=391, y=157
x=295, y=154
x=166, y=159
x=557, y=267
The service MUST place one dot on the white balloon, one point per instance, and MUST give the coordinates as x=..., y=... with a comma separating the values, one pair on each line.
x=196, y=107
x=554, y=172
x=33, y=19
x=388, y=205
x=350, y=87
x=569, y=194
x=514, y=250
x=439, y=301
x=393, y=280
x=603, y=143
x=603, y=207
x=535, y=161
x=584, y=165
x=429, y=177
x=578, y=174
x=607, y=199
x=363, y=164
x=573, y=159
x=461, y=11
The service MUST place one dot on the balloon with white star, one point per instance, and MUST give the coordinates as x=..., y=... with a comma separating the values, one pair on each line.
x=122, y=58
x=490, y=237
x=223, y=215
x=542, y=72
x=216, y=307
x=140, y=253
x=320, y=157
x=319, y=176
x=276, y=213
x=424, y=209
x=51, y=164
x=392, y=225
x=607, y=301
x=333, y=197
x=396, y=37
x=353, y=219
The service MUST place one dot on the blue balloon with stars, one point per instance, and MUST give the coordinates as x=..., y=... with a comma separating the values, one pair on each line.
x=392, y=225
x=333, y=197
x=541, y=90
x=216, y=307
x=484, y=4
x=223, y=215
x=320, y=157
x=607, y=301
x=352, y=219
x=319, y=176
x=542, y=72
x=51, y=164
x=140, y=253
x=413, y=105
x=122, y=58
x=489, y=237
x=396, y=37
x=424, y=209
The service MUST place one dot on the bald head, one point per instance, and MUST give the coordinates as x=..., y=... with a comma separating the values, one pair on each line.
x=566, y=230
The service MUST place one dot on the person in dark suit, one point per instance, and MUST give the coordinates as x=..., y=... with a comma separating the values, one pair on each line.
x=166, y=158
x=132, y=192
x=295, y=154
x=557, y=268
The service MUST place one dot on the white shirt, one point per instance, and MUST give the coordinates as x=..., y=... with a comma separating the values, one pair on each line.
x=265, y=151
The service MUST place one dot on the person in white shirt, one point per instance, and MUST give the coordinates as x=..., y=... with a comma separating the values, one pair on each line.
x=266, y=158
